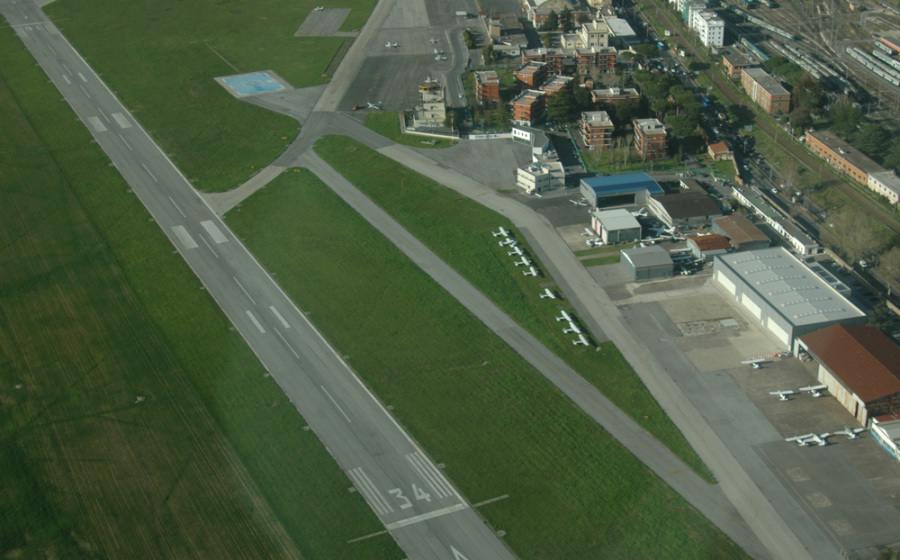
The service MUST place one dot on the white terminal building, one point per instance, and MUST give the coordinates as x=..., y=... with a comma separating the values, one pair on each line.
x=783, y=295
x=541, y=176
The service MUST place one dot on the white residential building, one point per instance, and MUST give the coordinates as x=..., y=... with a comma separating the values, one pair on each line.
x=541, y=176
x=710, y=28
x=887, y=184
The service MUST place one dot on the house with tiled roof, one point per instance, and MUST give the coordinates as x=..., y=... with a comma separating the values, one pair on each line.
x=861, y=367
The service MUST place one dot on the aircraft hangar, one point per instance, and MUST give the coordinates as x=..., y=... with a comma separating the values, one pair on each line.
x=784, y=295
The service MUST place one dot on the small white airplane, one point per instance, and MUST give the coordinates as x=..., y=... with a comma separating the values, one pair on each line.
x=805, y=441
x=508, y=242
x=782, y=395
x=443, y=57
x=376, y=106
x=578, y=202
x=436, y=51
x=433, y=40
x=430, y=80
x=814, y=390
x=589, y=231
x=852, y=433
x=531, y=272
x=523, y=262
x=755, y=364
x=564, y=317
x=548, y=294
x=437, y=57
x=580, y=340
x=573, y=328
x=516, y=251
x=501, y=233
x=320, y=8
x=640, y=213
x=390, y=45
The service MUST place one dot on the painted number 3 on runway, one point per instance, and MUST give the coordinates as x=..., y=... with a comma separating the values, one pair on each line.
x=404, y=501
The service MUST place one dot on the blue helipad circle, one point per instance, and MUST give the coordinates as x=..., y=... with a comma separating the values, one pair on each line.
x=253, y=83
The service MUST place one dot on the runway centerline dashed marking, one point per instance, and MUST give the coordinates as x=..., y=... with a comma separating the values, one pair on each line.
x=185, y=237
x=125, y=141
x=369, y=492
x=336, y=404
x=83, y=79
x=245, y=293
x=429, y=473
x=255, y=322
x=85, y=91
x=67, y=69
x=280, y=318
x=51, y=50
x=208, y=246
x=66, y=78
x=289, y=347
x=214, y=232
x=144, y=166
x=177, y=207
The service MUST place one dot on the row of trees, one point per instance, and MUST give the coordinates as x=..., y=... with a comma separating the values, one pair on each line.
x=563, y=20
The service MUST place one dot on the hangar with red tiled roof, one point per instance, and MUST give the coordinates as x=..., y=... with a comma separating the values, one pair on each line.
x=861, y=367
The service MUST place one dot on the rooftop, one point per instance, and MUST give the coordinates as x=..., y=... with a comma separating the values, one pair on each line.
x=595, y=49
x=623, y=183
x=488, y=76
x=654, y=255
x=532, y=67
x=719, y=148
x=618, y=27
x=796, y=293
x=736, y=59
x=616, y=219
x=528, y=96
x=650, y=126
x=712, y=242
x=615, y=92
x=739, y=229
x=596, y=118
x=888, y=179
x=686, y=205
x=765, y=81
x=863, y=358
x=837, y=144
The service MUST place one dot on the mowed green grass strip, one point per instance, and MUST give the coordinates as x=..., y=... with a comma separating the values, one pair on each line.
x=158, y=57
x=387, y=124
x=464, y=395
x=600, y=261
x=96, y=311
x=458, y=230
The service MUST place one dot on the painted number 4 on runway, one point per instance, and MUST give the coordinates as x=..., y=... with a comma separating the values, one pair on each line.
x=404, y=501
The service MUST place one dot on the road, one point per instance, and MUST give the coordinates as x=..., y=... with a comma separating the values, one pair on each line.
x=828, y=176
x=421, y=509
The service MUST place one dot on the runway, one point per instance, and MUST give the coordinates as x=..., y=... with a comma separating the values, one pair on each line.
x=416, y=503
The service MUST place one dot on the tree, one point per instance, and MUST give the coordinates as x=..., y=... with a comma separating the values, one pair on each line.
x=790, y=172
x=855, y=235
x=503, y=116
x=551, y=23
x=806, y=93
x=627, y=110
x=872, y=140
x=646, y=50
x=545, y=39
x=682, y=125
x=800, y=118
x=487, y=52
x=662, y=107
x=845, y=117
x=583, y=98
x=881, y=318
x=561, y=106
x=582, y=18
x=565, y=19
x=892, y=159
x=889, y=268
x=468, y=39
x=451, y=119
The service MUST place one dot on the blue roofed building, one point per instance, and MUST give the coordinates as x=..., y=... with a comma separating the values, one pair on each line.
x=619, y=190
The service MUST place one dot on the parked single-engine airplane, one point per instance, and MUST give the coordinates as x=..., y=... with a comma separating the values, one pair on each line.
x=390, y=45
x=573, y=328
x=814, y=390
x=852, y=433
x=782, y=395
x=508, y=242
x=580, y=340
x=523, y=262
x=516, y=251
x=564, y=317
x=531, y=272
x=548, y=294
x=501, y=233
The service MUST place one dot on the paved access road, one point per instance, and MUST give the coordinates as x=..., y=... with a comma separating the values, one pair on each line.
x=416, y=503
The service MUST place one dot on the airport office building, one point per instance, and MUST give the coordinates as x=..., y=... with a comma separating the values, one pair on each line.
x=783, y=294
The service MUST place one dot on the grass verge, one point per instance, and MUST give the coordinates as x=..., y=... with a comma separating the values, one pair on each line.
x=160, y=57
x=387, y=124
x=600, y=261
x=96, y=311
x=461, y=237
x=604, y=249
x=467, y=398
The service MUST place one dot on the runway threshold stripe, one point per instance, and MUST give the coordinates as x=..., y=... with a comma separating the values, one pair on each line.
x=367, y=489
x=120, y=118
x=435, y=474
x=97, y=124
x=426, y=476
x=185, y=237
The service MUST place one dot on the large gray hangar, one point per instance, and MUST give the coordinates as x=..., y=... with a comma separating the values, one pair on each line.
x=644, y=263
x=780, y=292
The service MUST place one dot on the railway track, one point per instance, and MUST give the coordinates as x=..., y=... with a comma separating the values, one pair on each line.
x=829, y=178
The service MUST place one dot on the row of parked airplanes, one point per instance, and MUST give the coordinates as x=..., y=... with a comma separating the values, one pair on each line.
x=438, y=53
x=511, y=243
x=814, y=390
x=821, y=440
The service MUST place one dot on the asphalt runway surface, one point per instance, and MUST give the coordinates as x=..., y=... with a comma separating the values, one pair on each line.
x=324, y=23
x=388, y=469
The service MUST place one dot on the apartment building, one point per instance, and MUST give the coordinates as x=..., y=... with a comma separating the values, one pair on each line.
x=487, y=88
x=842, y=156
x=532, y=75
x=650, y=138
x=766, y=91
x=596, y=130
x=528, y=107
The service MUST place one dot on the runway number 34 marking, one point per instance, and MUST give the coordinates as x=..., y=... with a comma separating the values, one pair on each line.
x=404, y=501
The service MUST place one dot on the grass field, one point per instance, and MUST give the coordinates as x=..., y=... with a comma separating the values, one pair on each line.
x=462, y=238
x=599, y=261
x=134, y=422
x=464, y=395
x=160, y=57
x=605, y=249
x=387, y=124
